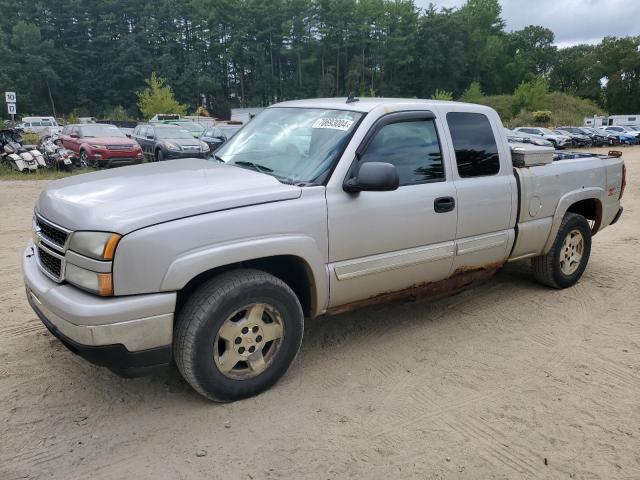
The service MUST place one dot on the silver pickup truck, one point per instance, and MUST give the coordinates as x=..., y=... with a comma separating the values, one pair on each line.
x=315, y=207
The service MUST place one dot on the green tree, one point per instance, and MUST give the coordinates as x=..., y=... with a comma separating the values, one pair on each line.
x=531, y=96
x=442, y=95
x=473, y=94
x=158, y=98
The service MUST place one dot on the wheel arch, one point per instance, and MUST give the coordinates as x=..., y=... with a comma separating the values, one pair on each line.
x=586, y=202
x=291, y=269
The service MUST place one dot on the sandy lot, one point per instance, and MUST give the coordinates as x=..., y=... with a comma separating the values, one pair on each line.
x=509, y=380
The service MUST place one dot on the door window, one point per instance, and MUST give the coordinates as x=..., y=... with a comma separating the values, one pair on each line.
x=412, y=146
x=474, y=144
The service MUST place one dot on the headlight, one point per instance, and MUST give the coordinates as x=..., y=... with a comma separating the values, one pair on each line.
x=100, y=283
x=204, y=147
x=98, y=245
x=172, y=146
x=99, y=147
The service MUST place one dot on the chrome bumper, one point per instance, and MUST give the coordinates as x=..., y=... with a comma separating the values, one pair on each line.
x=138, y=322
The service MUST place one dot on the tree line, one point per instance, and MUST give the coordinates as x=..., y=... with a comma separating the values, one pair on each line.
x=92, y=57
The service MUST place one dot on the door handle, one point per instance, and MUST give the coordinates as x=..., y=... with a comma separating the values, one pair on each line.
x=444, y=204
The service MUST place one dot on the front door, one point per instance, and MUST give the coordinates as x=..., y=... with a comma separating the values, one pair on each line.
x=382, y=242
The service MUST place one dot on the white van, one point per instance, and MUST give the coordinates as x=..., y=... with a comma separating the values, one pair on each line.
x=40, y=125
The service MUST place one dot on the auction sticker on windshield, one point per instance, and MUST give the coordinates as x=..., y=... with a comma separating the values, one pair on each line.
x=333, y=123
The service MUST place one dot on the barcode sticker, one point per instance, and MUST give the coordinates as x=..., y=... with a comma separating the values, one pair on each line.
x=333, y=123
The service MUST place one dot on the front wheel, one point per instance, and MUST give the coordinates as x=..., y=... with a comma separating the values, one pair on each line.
x=84, y=158
x=238, y=334
x=565, y=263
x=159, y=156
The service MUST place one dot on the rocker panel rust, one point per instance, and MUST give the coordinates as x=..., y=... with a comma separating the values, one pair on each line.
x=462, y=278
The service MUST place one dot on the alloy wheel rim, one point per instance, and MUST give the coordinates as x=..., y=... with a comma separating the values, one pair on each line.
x=248, y=341
x=571, y=252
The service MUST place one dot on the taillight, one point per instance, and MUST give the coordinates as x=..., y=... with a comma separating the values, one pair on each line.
x=624, y=180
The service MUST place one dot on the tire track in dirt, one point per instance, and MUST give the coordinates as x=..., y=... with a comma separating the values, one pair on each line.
x=34, y=326
x=495, y=444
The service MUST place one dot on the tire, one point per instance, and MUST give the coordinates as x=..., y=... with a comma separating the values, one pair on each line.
x=561, y=268
x=84, y=158
x=215, y=321
x=159, y=156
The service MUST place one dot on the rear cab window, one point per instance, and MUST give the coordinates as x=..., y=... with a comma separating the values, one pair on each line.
x=474, y=144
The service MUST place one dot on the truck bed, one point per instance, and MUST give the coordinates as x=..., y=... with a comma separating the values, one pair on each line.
x=544, y=190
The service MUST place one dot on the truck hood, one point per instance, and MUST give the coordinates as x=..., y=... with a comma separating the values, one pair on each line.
x=126, y=199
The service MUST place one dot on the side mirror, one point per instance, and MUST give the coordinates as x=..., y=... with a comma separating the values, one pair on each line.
x=128, y=135
x=374, y=177
x=74, y=135
x=149, y=137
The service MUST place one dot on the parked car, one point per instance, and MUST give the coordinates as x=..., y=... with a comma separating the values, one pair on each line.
x=40, y=125
x=558, y=141
x=622, y=129
x=216, y=264
x=214, y=137
x=624, y=137
x=195, y=129
x=174, y=119
x=578, y=139
x=167, y=142
x=101, y=145
x=598, y=138
x=229, y=129
x=520, y=137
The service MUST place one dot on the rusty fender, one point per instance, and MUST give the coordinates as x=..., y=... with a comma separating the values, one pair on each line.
x=462, y=278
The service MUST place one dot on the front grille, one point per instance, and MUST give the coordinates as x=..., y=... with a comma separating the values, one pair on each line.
x=51, y=233
x=119, y=147
x=49, y=263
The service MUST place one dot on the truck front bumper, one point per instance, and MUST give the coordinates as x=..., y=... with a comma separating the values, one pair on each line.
x=130, y=335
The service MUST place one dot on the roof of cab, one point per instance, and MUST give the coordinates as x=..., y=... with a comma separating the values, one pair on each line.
x=362, y=104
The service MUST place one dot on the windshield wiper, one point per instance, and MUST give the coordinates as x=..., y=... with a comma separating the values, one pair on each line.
x=256, y=166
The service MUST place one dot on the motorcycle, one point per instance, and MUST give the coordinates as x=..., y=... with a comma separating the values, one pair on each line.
x=55, y=155
x=15, y=154
x=34, y=152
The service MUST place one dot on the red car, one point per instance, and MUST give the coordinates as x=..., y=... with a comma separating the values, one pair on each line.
x=101, y=145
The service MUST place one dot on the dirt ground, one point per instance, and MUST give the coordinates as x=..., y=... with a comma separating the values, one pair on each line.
x=510, y=380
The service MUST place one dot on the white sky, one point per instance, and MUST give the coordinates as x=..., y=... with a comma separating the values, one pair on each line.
x=572, y=21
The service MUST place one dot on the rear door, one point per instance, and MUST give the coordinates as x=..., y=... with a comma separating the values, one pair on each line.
x=485, y=186
x=73, y=141
x=143, y=140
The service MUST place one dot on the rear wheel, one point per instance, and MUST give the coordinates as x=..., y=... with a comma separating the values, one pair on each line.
x=238, y=334
x=565, y=263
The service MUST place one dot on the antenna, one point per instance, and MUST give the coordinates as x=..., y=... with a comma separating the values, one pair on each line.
x=352, y=97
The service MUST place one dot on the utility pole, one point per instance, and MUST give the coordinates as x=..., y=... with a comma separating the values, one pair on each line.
x=53, y=107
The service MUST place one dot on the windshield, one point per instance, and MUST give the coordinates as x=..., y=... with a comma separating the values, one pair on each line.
x=169, y=132
x=295, y=145
x=547, y=131
x=192, y=127
x=101, y=131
